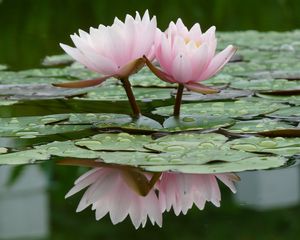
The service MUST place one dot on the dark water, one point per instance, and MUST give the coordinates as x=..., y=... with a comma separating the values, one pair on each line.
x=31, y=29
x=267, y=203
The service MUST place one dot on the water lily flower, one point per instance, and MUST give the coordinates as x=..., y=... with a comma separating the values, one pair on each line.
x=180, y=191
x=109, y=191
x=188, y=57
x=114, y=51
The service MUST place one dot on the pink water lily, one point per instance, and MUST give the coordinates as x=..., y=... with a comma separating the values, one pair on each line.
x=180, y=191
x=114, y=51
x=188, y=56
x=111, y=50
x=108, y=192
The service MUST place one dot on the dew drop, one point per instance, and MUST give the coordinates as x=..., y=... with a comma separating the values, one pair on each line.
x=175, y=160
x=27, y=133
x=124, y=140
x=188, y=119
x=53, y=148
x=155, y=159
x=206, y=145
x=245, y=147
x=91, y=115
x=48, y=120
x=3, y=150
x=268, y=144
x=28, y=136
x=14, y=121
x=175, y=148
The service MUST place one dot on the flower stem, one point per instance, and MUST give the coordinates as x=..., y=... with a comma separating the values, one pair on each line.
x=127, y=86
x=178, y=100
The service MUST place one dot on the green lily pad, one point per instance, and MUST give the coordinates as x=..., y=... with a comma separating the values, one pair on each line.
x=254, y=163
x=279, y=145
x=194, y=122
x=266, y=84
x=173, y=153
x=294, y=99
x=31, y=127
x=226, y=94
x=37, y=91
x=117, y=93
x=105, y=118
x=145, y=78
x=260, y=125
x=240, y=108
x=291, y=113
x=57, y=60
x=127, y=123
x=115, y=142
x=186, y=141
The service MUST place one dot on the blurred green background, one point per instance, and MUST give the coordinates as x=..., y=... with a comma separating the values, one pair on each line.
x=32, y=29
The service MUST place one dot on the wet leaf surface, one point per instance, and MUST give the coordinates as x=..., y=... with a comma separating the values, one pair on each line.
x=255, y=114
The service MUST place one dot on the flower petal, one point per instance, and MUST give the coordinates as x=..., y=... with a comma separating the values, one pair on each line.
x=218, y=62
x=82, y=83
x=160, y=74
x=200, y=88
x=181, y=68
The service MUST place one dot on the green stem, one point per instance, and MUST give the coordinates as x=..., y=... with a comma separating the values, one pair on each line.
x=178, y=100
x=127, y=86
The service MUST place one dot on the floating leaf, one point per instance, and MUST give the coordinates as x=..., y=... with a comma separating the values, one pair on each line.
x=260, y=125
x=226, y=94
x=291, y=113
x=117, y=93
x=279, y=145
x=229, y=109
x=266, y=85
x=196, y=153
x=115, y=142
x=194, y=122
x=254, y=163
x=57, y=60
x=294, y=99
x=127, y=123
x=145, y=78
x=37, y=91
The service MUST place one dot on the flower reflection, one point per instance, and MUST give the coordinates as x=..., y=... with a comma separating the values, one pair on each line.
x=181, y=191
x=110, y=191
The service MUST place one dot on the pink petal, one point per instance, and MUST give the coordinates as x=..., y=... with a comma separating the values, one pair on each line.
x=199, y=59
x=160, y=74
x=77, y=55
x=83, y=182
x=195, y=31
x=102, y=187
x=218, y=62
x=119, y=206
x=102, y=207
x=216, y=194
x=164, y=54
x=181, y=68
x=228, y=180
x=200, y=88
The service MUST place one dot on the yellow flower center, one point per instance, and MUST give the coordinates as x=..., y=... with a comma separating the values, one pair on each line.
x=187, y=40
